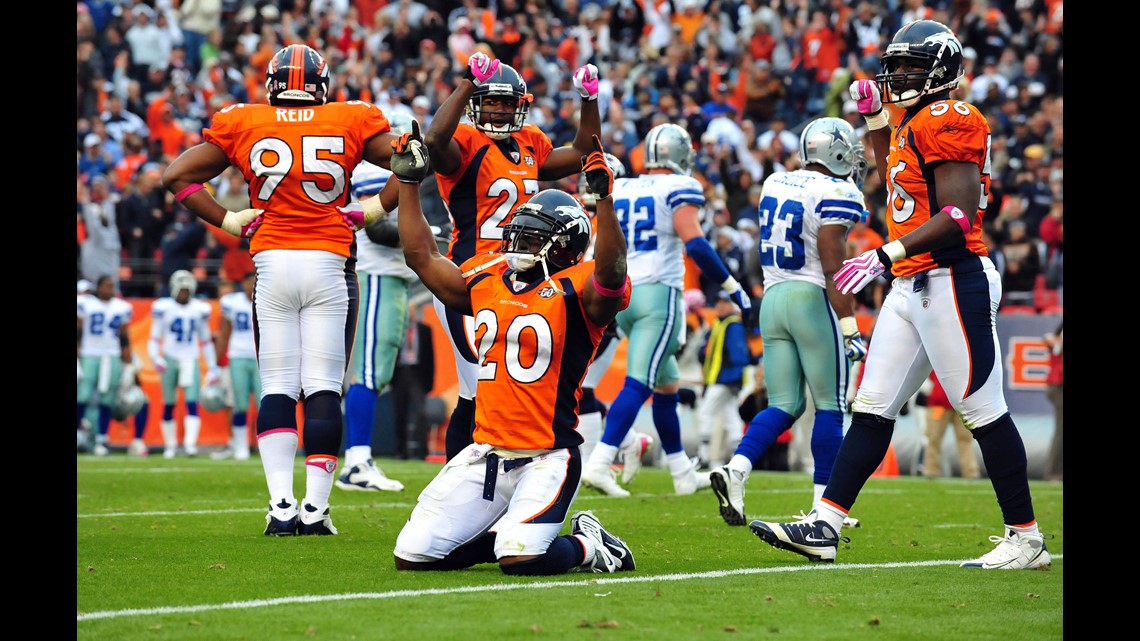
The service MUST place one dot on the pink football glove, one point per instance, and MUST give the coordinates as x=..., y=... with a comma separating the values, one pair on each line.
x=160, y=365
x=586, y=82
x=352, y=215
x=865, y=93
x=857, y=272
x=480, y=67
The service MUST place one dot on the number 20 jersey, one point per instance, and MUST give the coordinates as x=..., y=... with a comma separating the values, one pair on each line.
x=298, y=162
x=488, y=186
x=534, y=346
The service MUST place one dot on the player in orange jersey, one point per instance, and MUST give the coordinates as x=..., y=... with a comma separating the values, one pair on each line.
x=540, y=311
x=485, y=170
x=941, y=311
x=297, y=153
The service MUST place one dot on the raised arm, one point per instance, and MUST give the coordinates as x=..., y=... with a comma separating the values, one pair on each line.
x=410, y=165
x=603, y=300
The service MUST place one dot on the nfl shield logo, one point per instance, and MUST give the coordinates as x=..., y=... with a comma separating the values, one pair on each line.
x=515, y=156
x=518, y=285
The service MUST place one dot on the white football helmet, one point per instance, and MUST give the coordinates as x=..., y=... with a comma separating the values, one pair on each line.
x=183, y=279
x=669, y=146
x=127, y=402
x=829, y=142
x=212, y=398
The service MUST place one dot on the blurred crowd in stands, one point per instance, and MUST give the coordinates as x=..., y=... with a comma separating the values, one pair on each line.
x=742, y=76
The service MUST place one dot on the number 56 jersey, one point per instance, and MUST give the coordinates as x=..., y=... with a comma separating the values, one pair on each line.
x=298, y=162
x=534, y=346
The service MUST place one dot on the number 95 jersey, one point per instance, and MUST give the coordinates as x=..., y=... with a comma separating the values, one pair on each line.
x=298, y=162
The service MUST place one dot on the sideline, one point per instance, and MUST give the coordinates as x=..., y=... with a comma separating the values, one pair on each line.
x=577, y=583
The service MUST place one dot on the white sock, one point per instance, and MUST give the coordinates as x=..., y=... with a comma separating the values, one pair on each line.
x=740, y=463
x=278, y=453
x=627, y=440
x=356, y=455
x=603, y=456
x=319, y=481
x=817, y=494
x=679, y=463
x=169, y=434
x=833, y=517
x=193, y=425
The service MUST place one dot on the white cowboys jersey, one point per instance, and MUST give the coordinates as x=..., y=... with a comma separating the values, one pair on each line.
x=101, y=323
x=237, y=308
x=374, y=258
x=645, y=206
x=180, y=328
x=794, y=206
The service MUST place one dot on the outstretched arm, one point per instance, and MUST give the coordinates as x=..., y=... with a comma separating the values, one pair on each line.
x=567, y=161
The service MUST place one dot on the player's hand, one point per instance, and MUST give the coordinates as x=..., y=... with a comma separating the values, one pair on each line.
x=854, y=348
x=744, y=302
x=160, y=364
x=78, y=371
x=694, y=299
x=213, y=376
x=353, y=215
x=866, y=95
x=599, y=176
x=586, y=81
x=480, y=67
x=856, y=273
x=243, y=223
x=410, y=162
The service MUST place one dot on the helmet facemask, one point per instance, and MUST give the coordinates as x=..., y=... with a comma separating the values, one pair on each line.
x=933, y=53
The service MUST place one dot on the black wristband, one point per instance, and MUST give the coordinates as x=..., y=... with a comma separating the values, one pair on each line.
x=884, y=258
x=467, y=75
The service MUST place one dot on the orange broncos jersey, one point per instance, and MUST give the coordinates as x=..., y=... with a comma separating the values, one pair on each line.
x=947, y=130
x=488, y=185
x=298, y=162
x=534, y=346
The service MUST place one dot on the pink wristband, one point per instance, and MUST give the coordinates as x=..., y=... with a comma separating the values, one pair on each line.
x=185, y=193
x=607, y=292
x=957, y=216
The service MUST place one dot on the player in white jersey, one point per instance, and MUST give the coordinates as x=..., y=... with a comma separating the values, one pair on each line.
x=237, y=342
x=660, y=217
x=180, y=338
x=104, y=351
x=382, y=319
x=807, y=325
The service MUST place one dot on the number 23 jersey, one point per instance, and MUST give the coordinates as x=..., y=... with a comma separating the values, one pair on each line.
x=298, y=162
x=534, y=346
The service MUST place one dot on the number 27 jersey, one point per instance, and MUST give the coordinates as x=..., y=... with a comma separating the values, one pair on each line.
x=488, y=185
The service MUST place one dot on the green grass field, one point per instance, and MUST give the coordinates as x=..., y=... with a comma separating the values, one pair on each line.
x=175, y=550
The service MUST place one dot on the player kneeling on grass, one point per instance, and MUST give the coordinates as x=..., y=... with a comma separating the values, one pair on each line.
x=540, y=312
